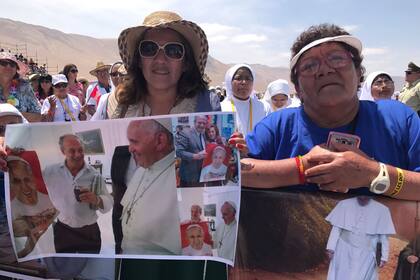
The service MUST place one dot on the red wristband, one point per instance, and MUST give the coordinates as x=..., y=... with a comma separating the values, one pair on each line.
x=300, y=168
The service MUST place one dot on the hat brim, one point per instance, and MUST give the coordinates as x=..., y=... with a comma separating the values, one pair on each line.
x=94, y=72
x=195, y=36
x=347, y=39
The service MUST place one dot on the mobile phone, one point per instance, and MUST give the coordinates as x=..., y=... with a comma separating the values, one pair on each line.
x=343, y=138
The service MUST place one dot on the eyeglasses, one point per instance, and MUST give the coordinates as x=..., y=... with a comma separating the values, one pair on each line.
x=172, y=50
x=61, y=85
x=74, y=70
x=379, y=83
x=45, y=81
x=6, y=62
x=335, y=59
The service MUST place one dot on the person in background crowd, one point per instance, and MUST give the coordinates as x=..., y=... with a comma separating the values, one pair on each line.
x=45, y=88
x=277, y=95
x=326, y=70
x=101, y=87
x=33, y=80
x=16, y=91
x=62, y=106
x=410, y=94
x=116, y=76
x=75, y=88
x=117, y=73
x=179, y=49
x=239, y=81
x=85, y=85
x=408, y=261
x=378, y=85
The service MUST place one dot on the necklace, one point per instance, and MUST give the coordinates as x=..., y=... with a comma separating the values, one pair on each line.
x=136, y=198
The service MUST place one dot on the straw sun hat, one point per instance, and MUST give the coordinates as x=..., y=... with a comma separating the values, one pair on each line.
x=129, y=38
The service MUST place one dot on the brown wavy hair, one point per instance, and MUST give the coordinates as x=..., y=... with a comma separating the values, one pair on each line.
x=134, y=87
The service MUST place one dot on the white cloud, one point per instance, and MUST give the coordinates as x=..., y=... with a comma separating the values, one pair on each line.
x=249, y=38
x=374, y=51
x=351, y=28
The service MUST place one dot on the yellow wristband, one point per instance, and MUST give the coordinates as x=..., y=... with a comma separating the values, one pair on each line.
x=400, y=182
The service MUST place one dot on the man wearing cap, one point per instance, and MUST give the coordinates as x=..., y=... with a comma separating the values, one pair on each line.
x=34, y=80
x=62, y=106
x=77, y=190
x=148, y=228
x=410, y=94
x=101, y=87
x=225, y=237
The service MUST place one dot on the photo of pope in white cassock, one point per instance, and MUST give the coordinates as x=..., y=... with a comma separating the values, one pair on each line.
x=358, y=225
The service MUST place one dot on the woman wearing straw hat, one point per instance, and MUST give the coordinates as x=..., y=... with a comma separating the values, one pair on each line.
x=165, y=58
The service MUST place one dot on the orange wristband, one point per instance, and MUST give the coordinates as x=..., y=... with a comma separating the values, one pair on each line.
x=300, y=168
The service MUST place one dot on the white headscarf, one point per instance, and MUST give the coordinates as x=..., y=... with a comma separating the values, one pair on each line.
x=277, y=87
x=366, y=90
x=229, y=76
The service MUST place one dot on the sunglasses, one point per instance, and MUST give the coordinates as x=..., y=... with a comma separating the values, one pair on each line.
x=74, y=70
x=172, y=50
x=335, y=59
x=5, y=62
x=61, y=85
x=45, y=81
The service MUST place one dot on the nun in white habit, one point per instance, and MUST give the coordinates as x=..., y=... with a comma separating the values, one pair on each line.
x=378, y=85
x=358, y=225
x=240, y=98
x=277, y=95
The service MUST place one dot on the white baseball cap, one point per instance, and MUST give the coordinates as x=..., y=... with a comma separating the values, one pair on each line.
x=59, y=78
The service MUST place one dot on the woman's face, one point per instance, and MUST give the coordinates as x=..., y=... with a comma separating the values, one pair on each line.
x=382, y=87
x=161, y=72
x=212, y=133
x=196, y=238
x=8, y=69
x=328, y=87
x=242, y=83
x=45, y=85
x=115, y=76
x=279, y=100
x=73, y=74
x=60, y=90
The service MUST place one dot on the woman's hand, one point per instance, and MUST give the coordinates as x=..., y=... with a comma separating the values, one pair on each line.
x=346, y=167
x=237, y=140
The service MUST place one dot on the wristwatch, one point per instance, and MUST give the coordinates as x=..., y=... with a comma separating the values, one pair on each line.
x=381, y=183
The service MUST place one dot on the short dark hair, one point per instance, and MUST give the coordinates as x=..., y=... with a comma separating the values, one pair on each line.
x=134, y=88
x=316, y=32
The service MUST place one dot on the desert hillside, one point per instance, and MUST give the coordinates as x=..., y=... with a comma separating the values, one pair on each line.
x=56, y=49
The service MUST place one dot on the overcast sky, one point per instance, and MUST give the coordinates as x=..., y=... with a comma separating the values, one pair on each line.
x=252, y=31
